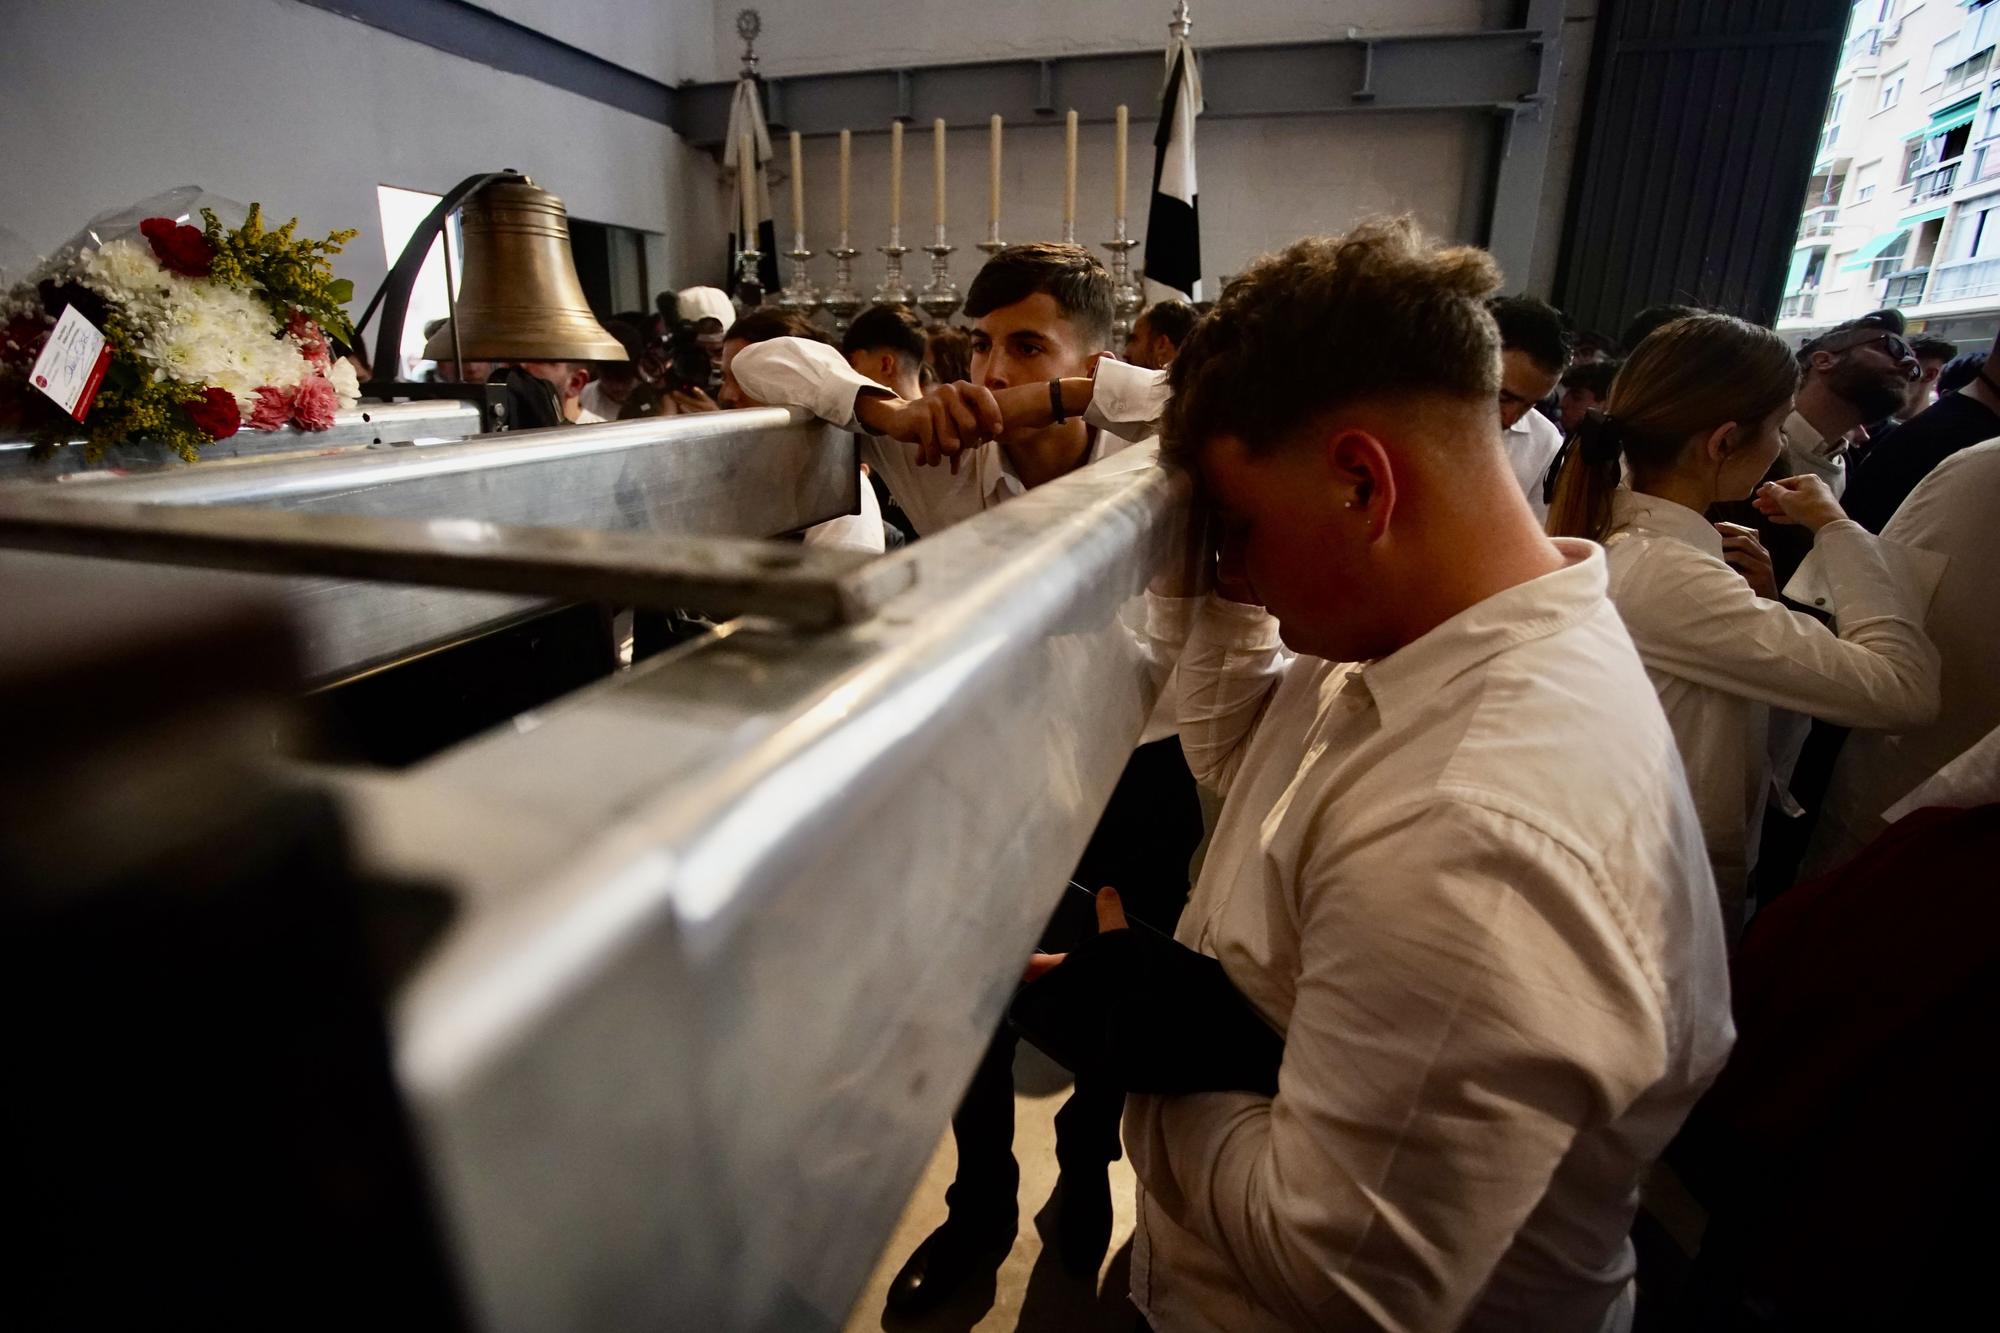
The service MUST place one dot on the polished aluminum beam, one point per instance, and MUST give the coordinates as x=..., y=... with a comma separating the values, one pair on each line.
x=715, y=576
x=357, y=428
x=748, y=474
x=735, y=926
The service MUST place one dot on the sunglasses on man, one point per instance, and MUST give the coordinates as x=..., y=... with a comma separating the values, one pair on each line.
x=1894, y=345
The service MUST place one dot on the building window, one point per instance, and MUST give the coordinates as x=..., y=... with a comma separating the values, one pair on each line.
x=1941, y=58
x=1892, y=92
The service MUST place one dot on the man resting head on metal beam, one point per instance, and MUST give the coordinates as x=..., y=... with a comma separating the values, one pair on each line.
x=1457, y=869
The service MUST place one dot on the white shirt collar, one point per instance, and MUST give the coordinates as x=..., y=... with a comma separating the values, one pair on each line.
x=1664, y=518
x=1414, y=673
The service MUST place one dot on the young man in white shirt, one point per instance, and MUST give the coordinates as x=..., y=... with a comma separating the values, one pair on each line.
x=1534, y=352
x=1039, y=312
x=1041, y=320
x=860, y=531
x=1457, y=867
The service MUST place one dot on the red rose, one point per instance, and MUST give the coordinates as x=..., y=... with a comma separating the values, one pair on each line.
x=214, y=413
x=315, y=405
x=273, y=409
x=181, y=249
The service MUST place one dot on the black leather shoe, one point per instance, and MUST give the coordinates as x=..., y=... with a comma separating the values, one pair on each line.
x=1083, y=1220
x=940, y=1267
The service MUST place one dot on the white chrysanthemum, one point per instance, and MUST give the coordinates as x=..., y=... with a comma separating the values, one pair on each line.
x=204, y=333
x=345, y=382
x=126, y=274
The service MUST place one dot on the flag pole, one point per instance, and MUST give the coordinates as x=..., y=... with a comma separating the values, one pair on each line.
x=1173, y=221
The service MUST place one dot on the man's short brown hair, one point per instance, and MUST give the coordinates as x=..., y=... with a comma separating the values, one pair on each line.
x=760, y=326
x=1069, y=274
x=1379, y=312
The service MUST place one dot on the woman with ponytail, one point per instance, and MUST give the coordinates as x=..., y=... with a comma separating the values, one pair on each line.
x=1694, y=417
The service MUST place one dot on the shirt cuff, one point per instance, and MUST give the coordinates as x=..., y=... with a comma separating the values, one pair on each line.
x=1127, y=400
x=1238, y=624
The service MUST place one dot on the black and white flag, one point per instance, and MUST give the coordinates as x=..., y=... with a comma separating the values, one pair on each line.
x=746, y=117
x=1173, y=226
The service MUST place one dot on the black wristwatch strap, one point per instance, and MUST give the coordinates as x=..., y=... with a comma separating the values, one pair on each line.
x=1056, y=402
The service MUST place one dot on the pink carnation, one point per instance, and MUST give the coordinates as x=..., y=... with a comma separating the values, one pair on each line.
x=311, y=341
x=273, y=409
x=315, y=404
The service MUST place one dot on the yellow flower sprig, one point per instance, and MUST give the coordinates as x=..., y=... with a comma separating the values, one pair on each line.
x=288, y=272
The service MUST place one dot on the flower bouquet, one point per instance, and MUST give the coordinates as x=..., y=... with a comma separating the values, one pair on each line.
x=207, y=330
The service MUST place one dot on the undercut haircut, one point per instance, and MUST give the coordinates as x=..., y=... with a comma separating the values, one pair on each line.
x=1068, y=274
x=1382, y=312
x=760, y=326
x=1171, y=319
x=1535, y=327
x=895, y=328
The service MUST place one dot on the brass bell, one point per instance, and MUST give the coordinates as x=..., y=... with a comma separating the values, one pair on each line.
x=519, y=298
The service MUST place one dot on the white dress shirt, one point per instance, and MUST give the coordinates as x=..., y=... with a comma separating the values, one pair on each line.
x=1532, y=444
x=1807, y=451
x=1126, y=407
x=1721, y=657
x=853, y=532
x=1467, y=885
x=1953, y=515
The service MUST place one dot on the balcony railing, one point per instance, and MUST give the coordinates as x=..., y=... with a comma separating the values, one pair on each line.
x=1905, y=288
x=1966, y=278
x=1935, y=182
x=1799, y=305
x=1820, y=222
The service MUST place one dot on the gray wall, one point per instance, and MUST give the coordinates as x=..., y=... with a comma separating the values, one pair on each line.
x=108, y=101
x=275, y=100
x=1263, y=182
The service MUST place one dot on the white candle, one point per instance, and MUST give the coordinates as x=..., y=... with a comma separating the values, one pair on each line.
x=1124, y=121
x=937, y=170
x=799, y=193
x=746, y=164
x=993, y=174
x=1069, y=176
x=846, y=182
x=895, y=178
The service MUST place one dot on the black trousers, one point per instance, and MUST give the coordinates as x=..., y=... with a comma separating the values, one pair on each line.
x=1141, y=847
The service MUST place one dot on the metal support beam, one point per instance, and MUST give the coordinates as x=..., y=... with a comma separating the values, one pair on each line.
x=734, y=926
x=715, y=576
x=1491, y=69
x=357, y=428
x=752, y=473
x=1524, y=152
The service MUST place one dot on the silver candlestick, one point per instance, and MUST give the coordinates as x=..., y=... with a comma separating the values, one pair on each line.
x=893, y=291
x=841, y=300
x=799, y=294
x=992, y=245
x=749, y=286
x=940, y=295
x=1126, y=298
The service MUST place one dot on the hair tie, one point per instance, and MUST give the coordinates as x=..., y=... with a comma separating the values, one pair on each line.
x=1600, y=439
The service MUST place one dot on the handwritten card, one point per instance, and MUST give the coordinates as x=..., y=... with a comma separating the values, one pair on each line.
x=72, y=365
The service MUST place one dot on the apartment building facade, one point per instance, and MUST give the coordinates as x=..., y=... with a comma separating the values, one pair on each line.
x=1903, y=208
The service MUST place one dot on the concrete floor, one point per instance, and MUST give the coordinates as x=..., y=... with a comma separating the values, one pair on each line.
x=1030, y=1292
